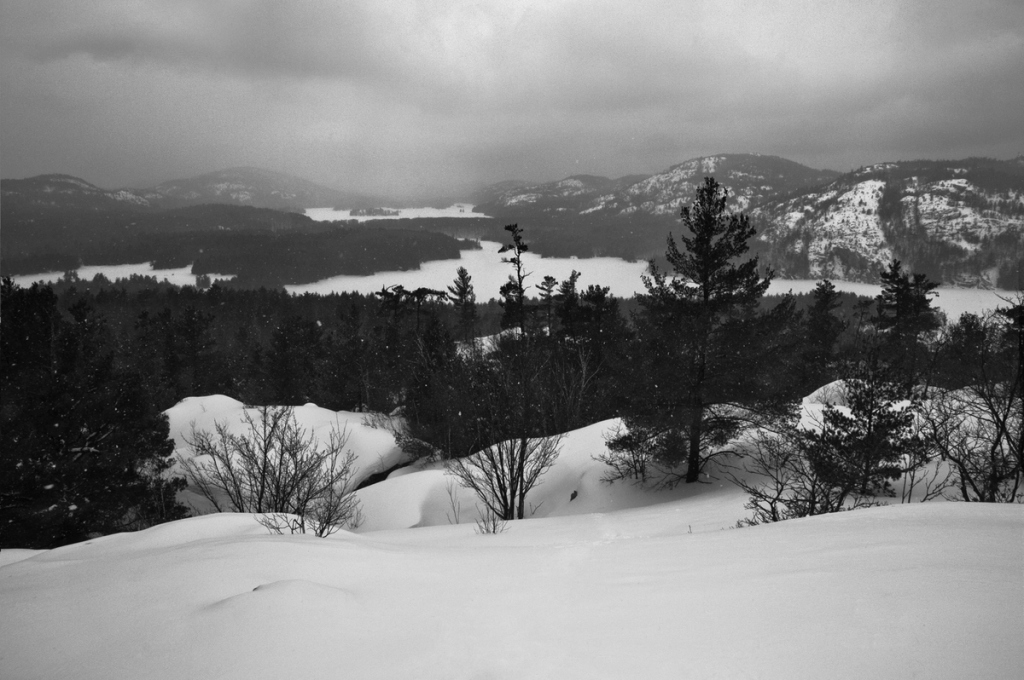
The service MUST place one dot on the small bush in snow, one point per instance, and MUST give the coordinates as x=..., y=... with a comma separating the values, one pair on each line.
x=277, y=469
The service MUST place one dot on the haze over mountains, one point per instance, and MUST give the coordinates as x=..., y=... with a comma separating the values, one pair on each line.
x=958, y=221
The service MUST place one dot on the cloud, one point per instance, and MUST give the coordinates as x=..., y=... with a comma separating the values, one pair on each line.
x=420, y=96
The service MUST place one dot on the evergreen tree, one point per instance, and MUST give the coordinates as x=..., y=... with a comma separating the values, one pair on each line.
x=692, y=329
x=568, y=309
x=513, y=291
x=861, y=450
x=463, y=296
x=823, y=329
x=83, y=449
x=905, y=316
x=547, y=301
x=295, y=360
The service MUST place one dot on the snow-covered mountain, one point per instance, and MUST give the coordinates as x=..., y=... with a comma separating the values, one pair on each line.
x=958, y=221
x=750, y=179
x=572, y=195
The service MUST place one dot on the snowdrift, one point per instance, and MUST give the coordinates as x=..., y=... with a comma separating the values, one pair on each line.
x=375, y=447
x=927, y=590
x=604, y=581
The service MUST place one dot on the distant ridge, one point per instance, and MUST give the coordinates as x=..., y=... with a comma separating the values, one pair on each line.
x=256, y=187
x=959, y=221
x=749, y=177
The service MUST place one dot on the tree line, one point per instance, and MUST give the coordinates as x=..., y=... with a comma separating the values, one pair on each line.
x=699, y=358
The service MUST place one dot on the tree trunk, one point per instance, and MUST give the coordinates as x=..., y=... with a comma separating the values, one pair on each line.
x=696, y=429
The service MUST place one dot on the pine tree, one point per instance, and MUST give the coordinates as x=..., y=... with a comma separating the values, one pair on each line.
x=463, y=296
x=861, y=450
x=513, y=291
x=905, y=316
x=83, y=448
x=823, y=329
x=694, y=327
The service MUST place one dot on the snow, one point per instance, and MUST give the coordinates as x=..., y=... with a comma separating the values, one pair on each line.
x=945, y=212
x=616, y=583
x=874, y=593
x=455, y=210
x=374, y=447
x=852, y=224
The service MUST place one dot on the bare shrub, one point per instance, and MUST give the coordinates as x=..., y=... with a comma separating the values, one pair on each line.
x=977, y=431
x=490, y=523
x=502, y=474
x=783, y=482
x=277, y=469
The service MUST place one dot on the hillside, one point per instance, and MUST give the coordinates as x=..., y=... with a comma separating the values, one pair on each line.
x=572, y=195
x=958, y=221
x=613, y=583
x=750, y=178
x=258, y=188
x=218, y=222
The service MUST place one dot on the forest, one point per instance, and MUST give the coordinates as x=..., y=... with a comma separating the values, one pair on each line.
x=88, y=367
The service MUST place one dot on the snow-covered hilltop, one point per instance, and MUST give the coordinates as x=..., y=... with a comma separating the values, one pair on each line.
x=750, y=178
x=959, y=221
x=576, y=194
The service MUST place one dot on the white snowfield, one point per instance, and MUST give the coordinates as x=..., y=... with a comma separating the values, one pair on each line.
x=614, y=583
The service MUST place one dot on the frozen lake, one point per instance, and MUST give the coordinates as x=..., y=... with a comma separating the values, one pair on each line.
x=332, y=215
x=182, y=276
x=489, y=273
x=622, y=277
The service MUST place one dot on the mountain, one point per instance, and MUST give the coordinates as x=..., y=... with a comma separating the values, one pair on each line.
x=64, y=193
x=65, y=215
x=750, y=178
x=492, y=192
x=258, y=188
x=572, y=195
x=957, y=221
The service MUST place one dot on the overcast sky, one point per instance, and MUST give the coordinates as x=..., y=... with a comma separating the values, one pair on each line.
x=404, y=98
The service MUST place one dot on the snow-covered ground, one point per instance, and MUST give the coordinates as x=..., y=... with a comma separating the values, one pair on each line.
x=616, y=583
x=182, y=276
x=373, y=444
x=456, y=210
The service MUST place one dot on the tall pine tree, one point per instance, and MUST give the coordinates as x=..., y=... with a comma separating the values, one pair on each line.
x=698, y=346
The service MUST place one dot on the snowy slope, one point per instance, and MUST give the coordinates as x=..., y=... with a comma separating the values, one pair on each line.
x=959, y=220
x=750, y=178
x=616, y=583
x=887, y=592
x=374, y=447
